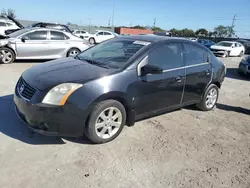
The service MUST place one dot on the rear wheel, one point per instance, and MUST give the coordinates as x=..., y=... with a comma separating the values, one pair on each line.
x=106, y=121
x=7, y=55
x=92, y=41
x=241, y=54
x=73, y=52
x=209, y=99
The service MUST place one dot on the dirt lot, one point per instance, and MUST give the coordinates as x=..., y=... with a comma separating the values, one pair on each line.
x=186, y=148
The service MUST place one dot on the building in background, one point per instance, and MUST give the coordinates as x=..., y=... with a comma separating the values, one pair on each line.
x=131, y=31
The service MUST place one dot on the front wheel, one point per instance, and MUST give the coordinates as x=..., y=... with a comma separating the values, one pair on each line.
x=209, y=99
x=73, y=52
x=7, y=55
x=106, y=121
x=92, y=41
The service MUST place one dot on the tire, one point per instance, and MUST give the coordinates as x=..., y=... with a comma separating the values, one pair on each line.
x=100, y=112
x=7, y=55
x=226, y=54
x=241, y=54
x=73, y=52
x=203, y=105
x=241, y=73
x=92, y=41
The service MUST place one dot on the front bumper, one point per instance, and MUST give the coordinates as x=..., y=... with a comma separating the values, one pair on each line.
x=218, y=52
x=50, y=120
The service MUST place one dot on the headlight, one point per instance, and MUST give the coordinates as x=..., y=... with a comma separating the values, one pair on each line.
x=59, y=94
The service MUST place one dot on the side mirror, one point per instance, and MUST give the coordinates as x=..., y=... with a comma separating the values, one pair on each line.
x=24, y=38
x=150, y=69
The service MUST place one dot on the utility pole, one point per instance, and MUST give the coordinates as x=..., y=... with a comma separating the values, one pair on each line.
x=113, y=16
x=130, y=24
x=89, y=24
x=154, y=22
x=231, y=29
x=109, y=23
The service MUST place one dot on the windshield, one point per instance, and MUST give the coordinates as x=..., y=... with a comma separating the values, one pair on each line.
x=18, y=33
x=226, y=44
x=113, y=53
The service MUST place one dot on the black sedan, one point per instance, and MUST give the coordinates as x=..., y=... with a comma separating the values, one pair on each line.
x=115, y=83
x=244, y=67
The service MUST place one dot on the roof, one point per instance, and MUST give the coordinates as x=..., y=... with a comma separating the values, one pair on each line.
x=228, y=41
x=42, y=28
x=152, y=38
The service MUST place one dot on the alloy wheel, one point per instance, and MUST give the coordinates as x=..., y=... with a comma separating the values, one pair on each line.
x=6, y=56
x=108, y=122
x=211, y=98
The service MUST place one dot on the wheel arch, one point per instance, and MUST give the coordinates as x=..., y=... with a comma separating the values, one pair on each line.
x=120, y=97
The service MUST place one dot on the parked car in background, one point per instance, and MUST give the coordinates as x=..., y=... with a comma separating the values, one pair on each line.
x=206, y=42
x=244, y=67
x=246, y=44
x=40, y=43
x=115, y=83
x=81, y=33
x=228, y=48
x=193, y=39
x=7, y=25
x=100, y=36
x=39, y=24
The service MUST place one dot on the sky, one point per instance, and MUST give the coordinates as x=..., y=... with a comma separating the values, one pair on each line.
x=179, y=14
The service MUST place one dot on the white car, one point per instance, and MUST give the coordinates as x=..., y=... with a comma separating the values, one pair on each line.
x=81, y=33
x=100, y=36
x=6, y=25
x=228, y=48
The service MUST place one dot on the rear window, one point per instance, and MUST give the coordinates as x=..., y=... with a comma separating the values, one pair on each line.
x=113, y=53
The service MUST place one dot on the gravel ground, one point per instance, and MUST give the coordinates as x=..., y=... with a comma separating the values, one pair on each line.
x=186, y=148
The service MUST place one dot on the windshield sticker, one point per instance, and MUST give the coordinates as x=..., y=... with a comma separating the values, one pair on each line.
x=141, y=43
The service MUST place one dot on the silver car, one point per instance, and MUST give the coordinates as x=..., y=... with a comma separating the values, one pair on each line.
x=40, y=43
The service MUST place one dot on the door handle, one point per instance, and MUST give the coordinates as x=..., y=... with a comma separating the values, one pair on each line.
x=208, y=72
x=178, y=79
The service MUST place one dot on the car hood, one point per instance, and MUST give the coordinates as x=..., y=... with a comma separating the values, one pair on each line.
x=66, y=70
x=220, y=47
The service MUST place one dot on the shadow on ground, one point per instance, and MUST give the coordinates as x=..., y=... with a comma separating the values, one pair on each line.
x=13, y=127
x=32, y=61
x=233, y=73
x=233, y=108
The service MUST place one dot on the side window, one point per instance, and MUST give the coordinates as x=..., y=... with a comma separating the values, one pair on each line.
x=100, y=33
x=238, y=45
x=77, y=32
x=9, y=24
x=55, y=35
x=106, y=33
x=37, y=35
x=167, y=56
x=2, y=24
x=83, y=32
x=194, y=55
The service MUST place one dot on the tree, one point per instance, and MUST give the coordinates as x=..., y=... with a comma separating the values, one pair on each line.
x=201, y=32
x=187, y=33
x=10, y=12
x=174, y=32
x=224, y=31
x=139, y=27
x=157, y=29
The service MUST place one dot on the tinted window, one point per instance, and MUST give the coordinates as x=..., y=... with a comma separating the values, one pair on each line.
x=167, y=56
x=55, y=35
x=9, y=24
x=37, y=35
x=194, y=54
x=77, y=32
x=2, y=24
x=100, y=33
x=106, y=33
x=83, y=32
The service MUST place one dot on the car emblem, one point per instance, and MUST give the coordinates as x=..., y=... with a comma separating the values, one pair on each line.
x=21, y=88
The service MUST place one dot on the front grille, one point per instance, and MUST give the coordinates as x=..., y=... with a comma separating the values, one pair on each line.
x=216, y=50
x=25, y=90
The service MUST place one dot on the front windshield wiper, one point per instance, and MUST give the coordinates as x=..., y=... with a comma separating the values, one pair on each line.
x=93, y=62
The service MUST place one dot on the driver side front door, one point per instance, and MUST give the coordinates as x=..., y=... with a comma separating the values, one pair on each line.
x=33, y=45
